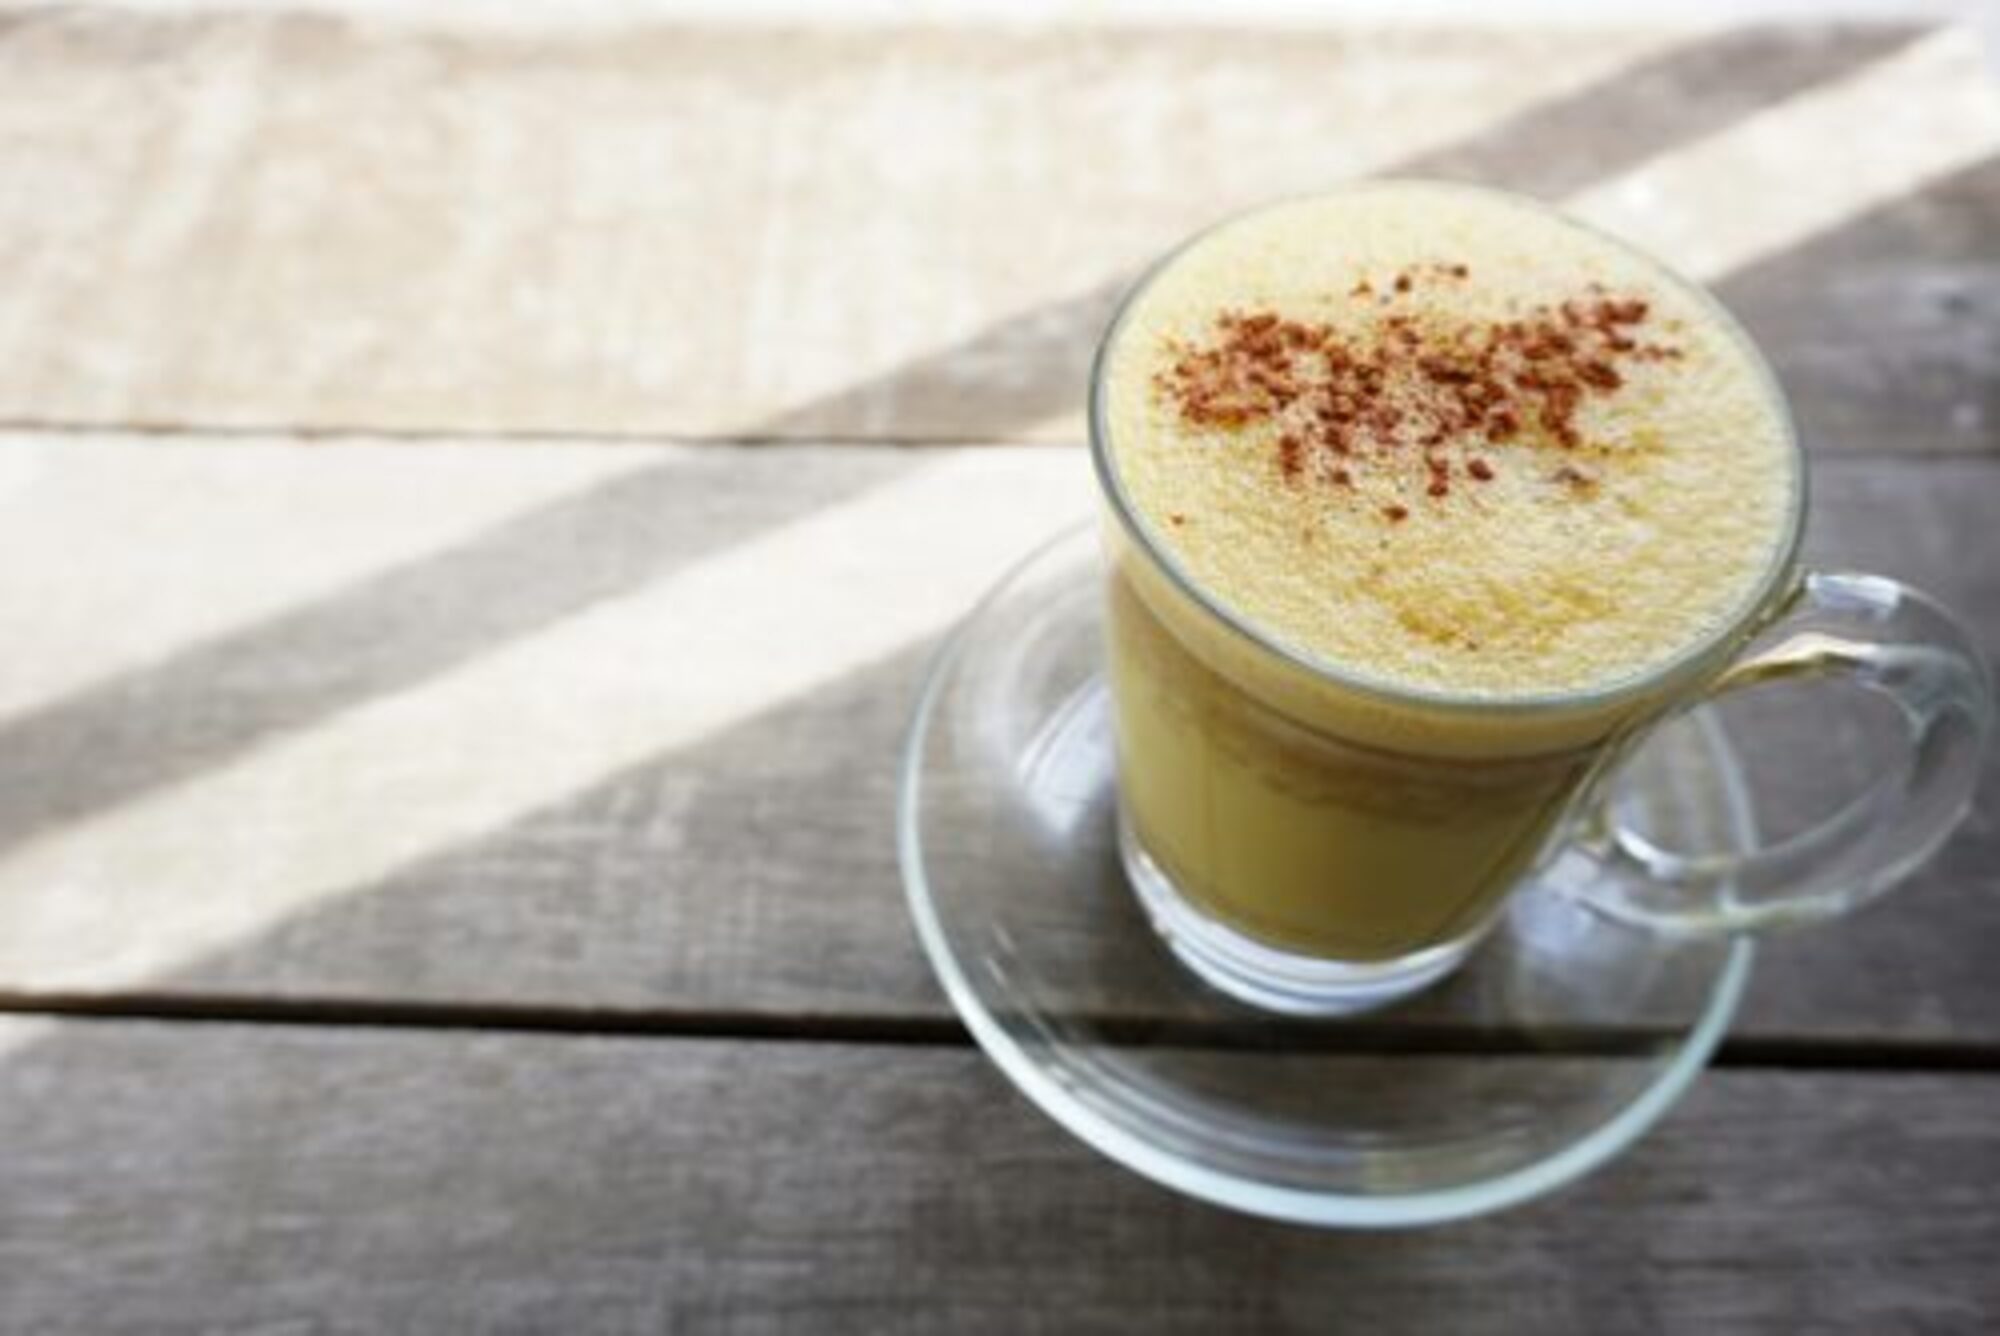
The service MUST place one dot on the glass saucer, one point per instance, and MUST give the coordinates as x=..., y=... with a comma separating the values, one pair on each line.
x=1559, y=1042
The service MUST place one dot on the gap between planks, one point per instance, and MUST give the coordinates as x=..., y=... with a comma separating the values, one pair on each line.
x=195, y=436
x=310, y=434
x=1817, y=1054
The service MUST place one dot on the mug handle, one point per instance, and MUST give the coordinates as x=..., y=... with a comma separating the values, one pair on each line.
x=1880, y=635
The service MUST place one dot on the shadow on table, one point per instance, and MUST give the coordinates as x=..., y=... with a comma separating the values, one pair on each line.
x=103, y=747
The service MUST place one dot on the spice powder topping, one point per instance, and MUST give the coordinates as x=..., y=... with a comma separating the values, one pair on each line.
x=1414, y=396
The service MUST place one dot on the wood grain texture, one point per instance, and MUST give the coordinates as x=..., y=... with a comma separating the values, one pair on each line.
x=250, y=815
x=302, y=218
x=1886, y=332
x=637, y=227
x=199, y=1178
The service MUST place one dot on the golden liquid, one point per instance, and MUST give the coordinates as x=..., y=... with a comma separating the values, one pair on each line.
x=1389, y=804
x=1302, y=839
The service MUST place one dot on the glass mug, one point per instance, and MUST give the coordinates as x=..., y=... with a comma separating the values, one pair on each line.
x=1314, y=844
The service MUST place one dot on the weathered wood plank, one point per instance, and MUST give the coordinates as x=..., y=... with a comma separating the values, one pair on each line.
x=462, y=691
x=667, y=228
x=309, y=218
x=184, y=1178
x=587, y=757
x=1886, y=332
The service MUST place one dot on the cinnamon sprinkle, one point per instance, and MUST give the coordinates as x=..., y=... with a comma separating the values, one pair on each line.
x=1393, y=398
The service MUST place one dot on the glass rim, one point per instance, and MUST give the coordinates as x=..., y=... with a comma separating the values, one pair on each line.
x=1742, y=618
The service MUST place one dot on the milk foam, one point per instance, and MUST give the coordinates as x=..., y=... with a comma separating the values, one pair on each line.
x=1559, y=567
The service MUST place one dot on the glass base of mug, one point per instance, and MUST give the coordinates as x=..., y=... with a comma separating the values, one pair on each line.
x=1270, y=977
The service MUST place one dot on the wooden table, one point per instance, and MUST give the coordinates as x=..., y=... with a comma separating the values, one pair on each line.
x=479, y=495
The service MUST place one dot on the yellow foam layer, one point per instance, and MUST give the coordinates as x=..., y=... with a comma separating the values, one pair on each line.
x=1523, y=585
